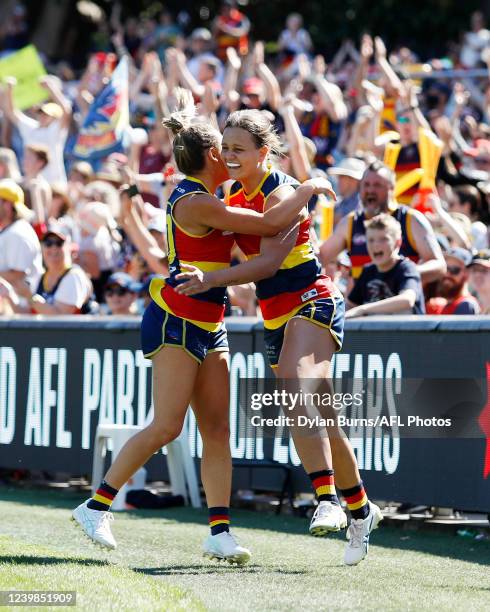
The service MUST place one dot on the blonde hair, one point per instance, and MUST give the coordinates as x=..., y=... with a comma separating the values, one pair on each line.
x=386, y=223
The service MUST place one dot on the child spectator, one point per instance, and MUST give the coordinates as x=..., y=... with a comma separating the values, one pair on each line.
x=391, y=284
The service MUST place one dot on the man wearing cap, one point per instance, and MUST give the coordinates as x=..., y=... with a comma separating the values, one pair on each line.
x=418, y=239
x=480, y=279
x=120, y=293
x=453, y=287
x=49, y=128
x=348, y=174
x=20, y=251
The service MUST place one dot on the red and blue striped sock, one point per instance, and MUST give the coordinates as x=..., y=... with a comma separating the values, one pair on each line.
x=103, y=498
x=357, y=501
x=219, y=519
x=324, y=484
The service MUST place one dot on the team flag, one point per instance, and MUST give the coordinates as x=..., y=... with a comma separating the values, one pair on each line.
x=107, y=121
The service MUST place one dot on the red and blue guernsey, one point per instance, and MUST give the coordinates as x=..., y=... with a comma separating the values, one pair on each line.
x=299, y=279
x=211, y=251
x=356, y=237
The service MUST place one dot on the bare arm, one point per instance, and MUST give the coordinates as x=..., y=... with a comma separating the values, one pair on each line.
x=394, y=82
x=39, y=305
x=332, y=98
x=40, y=196
x=49, y=83
x=14, y=277
x=336, y=243
x=12, y=113
x=272, y=89
x=185, y=76
x=213, y=213
x=141, y=237
x=273, y=251
x=233, y=66
x=397, y=304
x=453, y=228
x=432, y=265
x=297, y=149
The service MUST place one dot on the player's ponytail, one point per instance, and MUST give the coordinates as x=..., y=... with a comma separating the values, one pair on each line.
x=192, y=138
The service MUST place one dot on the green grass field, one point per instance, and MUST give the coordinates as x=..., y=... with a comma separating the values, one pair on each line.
x=158, y=565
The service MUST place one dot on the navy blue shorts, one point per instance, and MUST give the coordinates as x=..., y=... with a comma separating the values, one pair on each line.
x=159, y=328
x=325, y=312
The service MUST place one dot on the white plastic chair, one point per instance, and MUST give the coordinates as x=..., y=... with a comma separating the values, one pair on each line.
x=181, y=468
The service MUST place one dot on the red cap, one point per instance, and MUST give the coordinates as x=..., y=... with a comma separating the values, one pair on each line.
x=253, y=86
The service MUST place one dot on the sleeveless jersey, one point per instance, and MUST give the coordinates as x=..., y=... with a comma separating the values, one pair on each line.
x=408, y=160
x=356, y=238
x=298, y=280
x=211, y=251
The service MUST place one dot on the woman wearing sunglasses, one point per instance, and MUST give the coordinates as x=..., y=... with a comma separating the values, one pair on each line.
x=64, y=288
x=185, y=336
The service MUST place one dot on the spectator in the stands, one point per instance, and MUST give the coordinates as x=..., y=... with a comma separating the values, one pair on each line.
x=230, y=29
x=391, y=284
x=36, y=158
x=121, y=293
x=480, y=279
x=467, y=200
x=452, y=294
x=64, y=288
x=20, y=251
x=294, y=39
x=50, y=128
x=99, y=244
x=348, y=174
x=9, y=167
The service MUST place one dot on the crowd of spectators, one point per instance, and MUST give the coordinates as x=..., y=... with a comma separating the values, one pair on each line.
x=72, y=241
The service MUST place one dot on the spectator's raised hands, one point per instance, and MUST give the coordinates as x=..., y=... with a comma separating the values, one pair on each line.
x=258, y=53
x=304, y=67
x=367, y=48
x=319, y=65
x=380, y=48
x=233, y=58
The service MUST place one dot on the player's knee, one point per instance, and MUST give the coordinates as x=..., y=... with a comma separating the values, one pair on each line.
x=164, y=434
x=216, y=432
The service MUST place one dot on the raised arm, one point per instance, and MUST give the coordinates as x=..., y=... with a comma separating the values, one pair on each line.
x=14, y=114
x=297, y=148
x=332, y=98
x=272, y=89
x=141, y=237
x=50, y=83
x=381, y=57
x=433, y=264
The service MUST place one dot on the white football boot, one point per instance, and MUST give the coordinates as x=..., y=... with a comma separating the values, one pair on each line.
x=224, y=546
x=96, y=524
x=358, y=535
x=328, y=517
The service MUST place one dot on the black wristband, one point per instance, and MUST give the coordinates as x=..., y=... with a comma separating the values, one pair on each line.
x=132, y=191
